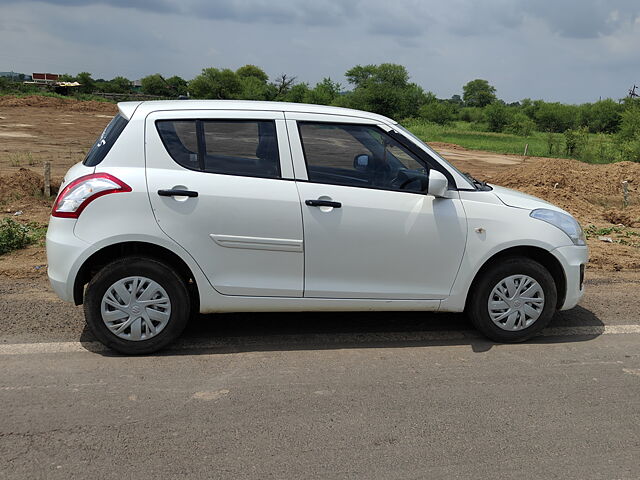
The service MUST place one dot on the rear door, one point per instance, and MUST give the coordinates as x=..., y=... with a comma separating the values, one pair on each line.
x=220, y=184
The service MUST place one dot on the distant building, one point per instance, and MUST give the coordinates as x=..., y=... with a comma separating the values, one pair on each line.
x=136, y=85
x=45, y=77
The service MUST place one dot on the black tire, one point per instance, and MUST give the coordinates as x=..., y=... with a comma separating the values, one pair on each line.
x=137, y=266
x=477, y=306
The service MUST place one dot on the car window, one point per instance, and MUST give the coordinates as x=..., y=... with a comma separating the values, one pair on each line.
x=181, y=141
x=361, y=156
x=248, y=148
x=105, y=141
x=241, y=148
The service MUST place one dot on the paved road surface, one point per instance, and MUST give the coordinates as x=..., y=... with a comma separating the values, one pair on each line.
x=324, y=396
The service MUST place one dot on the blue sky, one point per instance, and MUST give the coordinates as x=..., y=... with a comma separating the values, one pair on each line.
x=566, y=50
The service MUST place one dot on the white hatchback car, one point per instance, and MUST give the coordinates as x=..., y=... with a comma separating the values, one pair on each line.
x=230, y=206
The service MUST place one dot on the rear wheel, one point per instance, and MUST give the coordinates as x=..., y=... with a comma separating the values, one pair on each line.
x=513, y=300
x=136, y=305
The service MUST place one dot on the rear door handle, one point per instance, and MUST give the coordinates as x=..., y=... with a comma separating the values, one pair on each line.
x=177, y=193
x=323, y=203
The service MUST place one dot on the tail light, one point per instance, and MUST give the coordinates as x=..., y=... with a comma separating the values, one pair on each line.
x=75, y=197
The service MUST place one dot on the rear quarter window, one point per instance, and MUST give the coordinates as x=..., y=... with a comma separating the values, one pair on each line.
x=105, y=141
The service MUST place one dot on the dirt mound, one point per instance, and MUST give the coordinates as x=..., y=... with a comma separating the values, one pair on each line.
x=590, y=192
x=68, y=104
x=23, y=183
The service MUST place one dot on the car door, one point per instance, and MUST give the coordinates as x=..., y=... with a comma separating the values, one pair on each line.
x=220, y=184
x=370, y=231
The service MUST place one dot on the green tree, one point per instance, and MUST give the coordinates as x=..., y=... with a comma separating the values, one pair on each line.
x=252, y=88
x=87, y=83
x=177, y=85
x=498, y=116
x=324, y=93
x=297, y=93
x=216, y=84
x=628, y=138
x=155, y=85
x=555, y=117
x=252, y=71
x=118, y=85
x=520, y=124
x=478, y=93
x=601, y=117
x=384, y=89
x=438, y=112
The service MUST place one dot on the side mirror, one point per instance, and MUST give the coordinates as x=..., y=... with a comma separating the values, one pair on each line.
x=438, y=184
x=361, y=162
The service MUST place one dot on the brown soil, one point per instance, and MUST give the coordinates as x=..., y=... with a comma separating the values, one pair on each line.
x=61, y=131
x=37, y=129
x=67, y=104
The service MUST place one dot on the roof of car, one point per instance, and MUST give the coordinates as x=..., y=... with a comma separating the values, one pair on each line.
x=128, y=108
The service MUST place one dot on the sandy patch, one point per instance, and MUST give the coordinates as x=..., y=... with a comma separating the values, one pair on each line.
x=16, y=135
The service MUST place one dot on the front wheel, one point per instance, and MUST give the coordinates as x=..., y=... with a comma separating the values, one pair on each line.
x=513, y=300
x=136, y=305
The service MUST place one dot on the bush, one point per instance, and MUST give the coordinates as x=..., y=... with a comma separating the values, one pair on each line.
x=520, y=124
x=497, y=116
x=556, y=117
x=471, y=114
x=576, y=141
x=441, y=113
x=15, y=235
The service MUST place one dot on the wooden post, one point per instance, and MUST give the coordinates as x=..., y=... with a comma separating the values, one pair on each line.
x=526, y=149
x=625, y=194
x=47, y=179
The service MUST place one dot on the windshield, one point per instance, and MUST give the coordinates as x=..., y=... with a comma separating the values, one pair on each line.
x=105, y=141
x=434, y=153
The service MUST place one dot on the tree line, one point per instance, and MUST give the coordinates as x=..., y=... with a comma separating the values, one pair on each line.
x=386, y=89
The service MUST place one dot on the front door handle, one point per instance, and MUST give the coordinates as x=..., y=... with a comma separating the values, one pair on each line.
x=322, y=203
x=177, y=193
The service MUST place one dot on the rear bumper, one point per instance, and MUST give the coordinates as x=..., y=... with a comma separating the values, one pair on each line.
x=63, y=251
x=573, y=260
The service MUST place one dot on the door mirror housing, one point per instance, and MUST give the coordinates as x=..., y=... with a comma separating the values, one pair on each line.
x=438, y=184
x=361, y=162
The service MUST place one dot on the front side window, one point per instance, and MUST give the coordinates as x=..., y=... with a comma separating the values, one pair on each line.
x=360, y=156
x=245, y=147
x=105, y=141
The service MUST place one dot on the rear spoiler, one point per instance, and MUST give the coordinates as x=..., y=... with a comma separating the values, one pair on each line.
x=128, y=108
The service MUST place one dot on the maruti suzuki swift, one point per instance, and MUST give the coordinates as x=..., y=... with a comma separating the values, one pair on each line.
x=238, y=206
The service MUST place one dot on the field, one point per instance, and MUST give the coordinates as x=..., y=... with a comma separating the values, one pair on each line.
x=38, y=129
x=475, y=137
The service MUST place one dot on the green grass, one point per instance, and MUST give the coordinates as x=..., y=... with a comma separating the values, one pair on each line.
x=470, y=135
x=75, y=96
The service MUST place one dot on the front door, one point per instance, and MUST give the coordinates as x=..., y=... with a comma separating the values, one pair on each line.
x=370, y=231
x=218, y=186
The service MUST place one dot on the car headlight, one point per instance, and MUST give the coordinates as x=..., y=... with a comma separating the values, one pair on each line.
x=564, y=222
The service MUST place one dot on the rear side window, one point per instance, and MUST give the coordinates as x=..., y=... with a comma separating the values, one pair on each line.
x=105, y=141
x=245, y=147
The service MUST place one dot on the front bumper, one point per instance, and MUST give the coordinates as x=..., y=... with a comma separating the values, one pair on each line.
x=573, y=260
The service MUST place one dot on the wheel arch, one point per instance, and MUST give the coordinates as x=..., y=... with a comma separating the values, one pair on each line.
x=540, y=255
x=111, y=252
